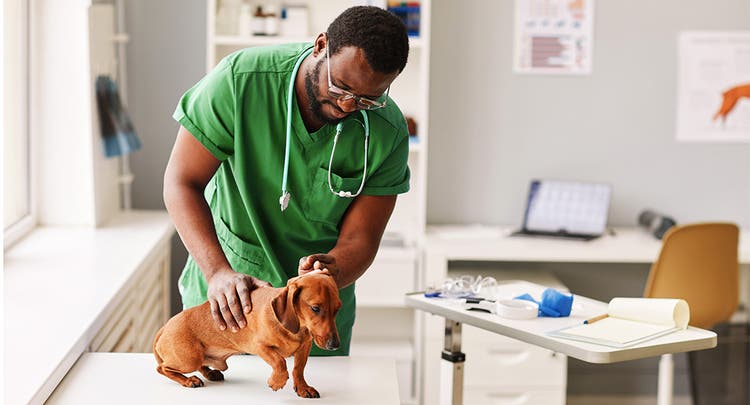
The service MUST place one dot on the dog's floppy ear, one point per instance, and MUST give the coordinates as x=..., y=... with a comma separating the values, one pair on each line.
x=283, y=307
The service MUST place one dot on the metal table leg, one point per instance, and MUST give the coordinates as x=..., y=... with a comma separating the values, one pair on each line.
x=452, y=366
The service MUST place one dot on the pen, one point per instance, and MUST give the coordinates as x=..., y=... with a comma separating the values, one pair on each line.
x=594, y=319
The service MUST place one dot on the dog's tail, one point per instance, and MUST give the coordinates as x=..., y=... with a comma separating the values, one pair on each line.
x=159, y=360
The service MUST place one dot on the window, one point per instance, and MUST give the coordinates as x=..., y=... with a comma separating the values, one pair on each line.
x=18, y=213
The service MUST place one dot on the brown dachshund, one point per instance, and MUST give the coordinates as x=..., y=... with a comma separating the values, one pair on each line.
x=283, y=322
x=730, y=98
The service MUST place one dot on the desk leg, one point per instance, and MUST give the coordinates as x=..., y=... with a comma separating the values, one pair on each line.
x=666, y=380
x=452, y=366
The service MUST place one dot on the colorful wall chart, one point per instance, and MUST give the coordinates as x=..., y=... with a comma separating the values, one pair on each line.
x=553, y=36
x=713, y=88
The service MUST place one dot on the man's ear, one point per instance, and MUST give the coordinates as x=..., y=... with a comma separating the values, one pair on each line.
x=321, y=41
x=284, y=308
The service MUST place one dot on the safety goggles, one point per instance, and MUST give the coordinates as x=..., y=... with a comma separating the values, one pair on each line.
x=362, y=103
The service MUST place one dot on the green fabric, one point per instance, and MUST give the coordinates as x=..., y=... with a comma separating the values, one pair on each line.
x=238, y=112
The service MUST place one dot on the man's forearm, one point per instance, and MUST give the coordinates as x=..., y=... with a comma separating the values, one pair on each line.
x=353, y=257
x=192, y=217
x=359, y=239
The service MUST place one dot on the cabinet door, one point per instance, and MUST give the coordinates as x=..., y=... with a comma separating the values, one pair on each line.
x=140, y=313
x=388, y=279
x=495, y=396
x=498, y=361
x=116, y=328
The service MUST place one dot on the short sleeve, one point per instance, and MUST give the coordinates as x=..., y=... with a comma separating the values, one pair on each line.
x=392, y=177
x=207, y=110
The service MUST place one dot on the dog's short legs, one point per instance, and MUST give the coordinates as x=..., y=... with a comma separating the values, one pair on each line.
x=190, y=382
x=298, y=373
x=211, y=375
x=280, y=375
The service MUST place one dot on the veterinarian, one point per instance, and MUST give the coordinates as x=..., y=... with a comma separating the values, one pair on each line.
x=257, y=187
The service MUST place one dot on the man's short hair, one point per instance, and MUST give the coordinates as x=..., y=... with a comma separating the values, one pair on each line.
x=379, y=33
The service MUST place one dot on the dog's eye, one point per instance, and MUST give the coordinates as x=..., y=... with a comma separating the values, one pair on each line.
x=315, y=309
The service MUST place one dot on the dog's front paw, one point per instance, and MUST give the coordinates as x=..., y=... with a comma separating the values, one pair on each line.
x=306, y=391
x=277, y=382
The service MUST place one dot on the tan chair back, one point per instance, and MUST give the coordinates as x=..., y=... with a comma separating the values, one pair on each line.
x=698, y=263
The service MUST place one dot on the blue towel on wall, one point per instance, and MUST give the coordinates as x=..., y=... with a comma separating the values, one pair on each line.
x=117, y=129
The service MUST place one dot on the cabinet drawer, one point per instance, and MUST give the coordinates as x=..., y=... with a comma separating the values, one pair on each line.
x=476, y=336
x=498, y=396
x=388, y=279
x=500, y=361
x=115, y=327
x=514, y=366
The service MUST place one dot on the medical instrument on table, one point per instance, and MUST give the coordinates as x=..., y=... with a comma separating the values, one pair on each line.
x=466, y=286
x=516, y=309
x=553, y=303
x=285, y=196
x=477, y=293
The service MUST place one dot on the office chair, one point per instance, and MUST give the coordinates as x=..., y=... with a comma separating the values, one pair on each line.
x=698, y=263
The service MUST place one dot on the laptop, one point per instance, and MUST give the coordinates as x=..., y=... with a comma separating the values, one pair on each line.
x=567, y=209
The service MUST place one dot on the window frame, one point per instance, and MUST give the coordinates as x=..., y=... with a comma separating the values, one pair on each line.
x=13, y=233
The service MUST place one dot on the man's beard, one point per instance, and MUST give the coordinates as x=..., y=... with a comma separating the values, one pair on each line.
x=311, y=88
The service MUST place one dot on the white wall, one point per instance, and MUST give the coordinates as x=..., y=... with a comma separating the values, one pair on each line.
x=166, y=56
x=76, y=184
x=493, y=130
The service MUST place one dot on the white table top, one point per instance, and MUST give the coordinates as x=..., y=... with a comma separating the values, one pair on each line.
x=626, y=245
x=534, y=331
x=129, y=378
x=58, y=287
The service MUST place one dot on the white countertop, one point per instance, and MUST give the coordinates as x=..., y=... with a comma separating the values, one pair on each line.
x=59, y=283
x=129, y=378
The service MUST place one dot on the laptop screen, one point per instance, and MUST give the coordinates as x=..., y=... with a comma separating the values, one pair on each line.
x=567, y=206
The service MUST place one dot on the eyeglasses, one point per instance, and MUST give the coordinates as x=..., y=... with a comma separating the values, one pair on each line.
x=363, y=103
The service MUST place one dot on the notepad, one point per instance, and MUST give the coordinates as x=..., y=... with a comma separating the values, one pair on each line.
x=631, y=321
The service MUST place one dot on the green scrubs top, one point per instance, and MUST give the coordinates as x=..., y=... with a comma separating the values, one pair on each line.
x=238, y=112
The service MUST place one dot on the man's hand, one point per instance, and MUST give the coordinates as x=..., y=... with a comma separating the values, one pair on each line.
x=318, y=261
x=229, y=295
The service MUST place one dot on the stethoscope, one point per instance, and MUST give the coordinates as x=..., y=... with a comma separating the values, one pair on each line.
x=285, y=196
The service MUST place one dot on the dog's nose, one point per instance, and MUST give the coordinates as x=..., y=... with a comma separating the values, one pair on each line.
x=332, y=343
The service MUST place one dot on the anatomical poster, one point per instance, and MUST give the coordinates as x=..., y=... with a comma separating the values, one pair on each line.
x=713, y=87
x=553, y=36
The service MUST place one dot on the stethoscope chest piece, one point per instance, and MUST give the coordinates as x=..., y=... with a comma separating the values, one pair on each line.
x=284, y=200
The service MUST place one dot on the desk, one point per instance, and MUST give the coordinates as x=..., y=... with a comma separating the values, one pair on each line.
x=535, y=331
x=625, y=245
x=129, y=378
x=444, y=244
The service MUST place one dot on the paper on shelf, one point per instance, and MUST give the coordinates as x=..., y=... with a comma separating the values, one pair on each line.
x=631, y=321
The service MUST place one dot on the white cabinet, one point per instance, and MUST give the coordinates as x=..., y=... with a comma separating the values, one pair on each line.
x=140, y=311
x=501, y=370
x=384, y=327
x=498, y=370
x=389, y=278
